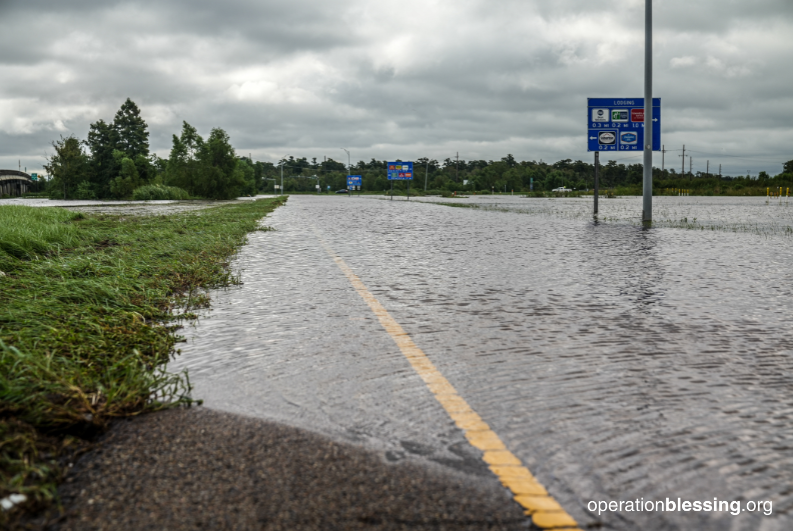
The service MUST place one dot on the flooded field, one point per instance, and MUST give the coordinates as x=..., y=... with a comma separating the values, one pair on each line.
x=617, y=363
x=132, y=208
x=756, y=215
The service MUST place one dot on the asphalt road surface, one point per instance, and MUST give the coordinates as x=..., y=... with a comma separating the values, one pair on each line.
x=615, y=363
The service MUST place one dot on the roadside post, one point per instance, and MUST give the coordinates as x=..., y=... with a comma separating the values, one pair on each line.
x=597, y=168
x=647, y=189
x=618, y=124
x=400, y=171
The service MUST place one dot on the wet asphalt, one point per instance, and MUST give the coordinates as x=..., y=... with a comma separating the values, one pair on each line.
x=195, y=468
x=616, y=363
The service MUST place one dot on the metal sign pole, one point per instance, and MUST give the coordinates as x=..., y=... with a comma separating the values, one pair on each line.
x=597, y=167
x=647, y=203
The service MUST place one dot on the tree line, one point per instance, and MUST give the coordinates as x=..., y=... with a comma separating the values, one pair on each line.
x=114, y=160
x=507, y=174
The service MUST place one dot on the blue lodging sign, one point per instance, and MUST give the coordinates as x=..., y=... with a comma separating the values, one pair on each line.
x=400, y=171
x=353, y=180
x=617, y=124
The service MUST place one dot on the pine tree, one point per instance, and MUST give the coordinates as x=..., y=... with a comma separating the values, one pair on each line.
x=133, y=136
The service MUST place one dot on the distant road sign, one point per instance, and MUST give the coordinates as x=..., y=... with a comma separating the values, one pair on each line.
x=400, y=171
x=353, y=180
x=617, y=124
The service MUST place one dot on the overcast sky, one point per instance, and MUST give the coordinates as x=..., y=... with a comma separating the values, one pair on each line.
x=400, y=78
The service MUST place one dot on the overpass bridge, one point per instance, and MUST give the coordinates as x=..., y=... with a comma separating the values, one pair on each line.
x=13, y=182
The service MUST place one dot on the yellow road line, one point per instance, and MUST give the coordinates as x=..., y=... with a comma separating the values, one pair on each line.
x=545, y=512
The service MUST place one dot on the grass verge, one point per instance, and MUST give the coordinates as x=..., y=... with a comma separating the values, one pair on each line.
x=89, y=306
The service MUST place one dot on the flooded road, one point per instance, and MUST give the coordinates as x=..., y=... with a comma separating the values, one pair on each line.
x=616, y=363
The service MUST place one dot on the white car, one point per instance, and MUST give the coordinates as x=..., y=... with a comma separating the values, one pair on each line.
x=562, y=189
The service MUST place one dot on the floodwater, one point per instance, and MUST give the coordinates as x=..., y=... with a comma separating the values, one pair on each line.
x=617, y=363
x=132, y=208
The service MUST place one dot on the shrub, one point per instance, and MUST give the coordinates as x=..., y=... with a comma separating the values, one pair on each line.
x=85, y=191
x=154, y=192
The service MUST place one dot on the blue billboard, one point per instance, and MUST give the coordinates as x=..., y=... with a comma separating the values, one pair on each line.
x=400, y=171
x=617, y=124
x=353, y=180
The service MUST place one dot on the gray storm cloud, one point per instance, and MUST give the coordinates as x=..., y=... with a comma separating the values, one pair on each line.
x=398, y=78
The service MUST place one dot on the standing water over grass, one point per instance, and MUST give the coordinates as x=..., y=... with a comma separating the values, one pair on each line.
x=733, y=214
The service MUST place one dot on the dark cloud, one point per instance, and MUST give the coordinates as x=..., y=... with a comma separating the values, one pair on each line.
x=393, y=78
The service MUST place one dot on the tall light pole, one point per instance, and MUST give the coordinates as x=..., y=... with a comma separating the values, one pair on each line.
x=282, y=178
x=349, y=164
x=647, y=202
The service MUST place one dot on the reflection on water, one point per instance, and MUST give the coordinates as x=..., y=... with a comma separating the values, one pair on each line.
x=617, y=362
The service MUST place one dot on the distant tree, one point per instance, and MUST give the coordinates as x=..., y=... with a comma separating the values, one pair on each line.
x=182, y=167
x=131, y=131
x=67, y=167
x=246, y=172
x=102, y=141
x=128, y=178
x=788, y=167
x=217, y=178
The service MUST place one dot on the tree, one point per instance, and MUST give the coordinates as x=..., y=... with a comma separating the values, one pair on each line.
x=182, y=166
x=131, y=131
x=217, y=178
x=788, y=167
x=102, y=141
x=246, y=172
x=68, y=167
x=128, y=179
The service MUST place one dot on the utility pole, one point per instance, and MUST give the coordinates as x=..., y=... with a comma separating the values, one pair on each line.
x=719, y=171
x=690, y=164
x=647, y=203
x=457, y=168
x=426, y=173
x=683, y=169
x=282, y=178
x=663, y=156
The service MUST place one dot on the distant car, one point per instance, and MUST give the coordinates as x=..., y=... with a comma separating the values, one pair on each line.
x=344, y=191
x=562, y=189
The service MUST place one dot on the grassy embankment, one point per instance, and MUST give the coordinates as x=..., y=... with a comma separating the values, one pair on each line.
x=88, y=313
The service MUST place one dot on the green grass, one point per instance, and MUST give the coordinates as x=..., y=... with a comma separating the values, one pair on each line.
x=89, y=308
x=155, y=192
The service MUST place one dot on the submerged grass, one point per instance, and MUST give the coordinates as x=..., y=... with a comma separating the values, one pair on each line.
x=88, y=311
x=768, y=219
